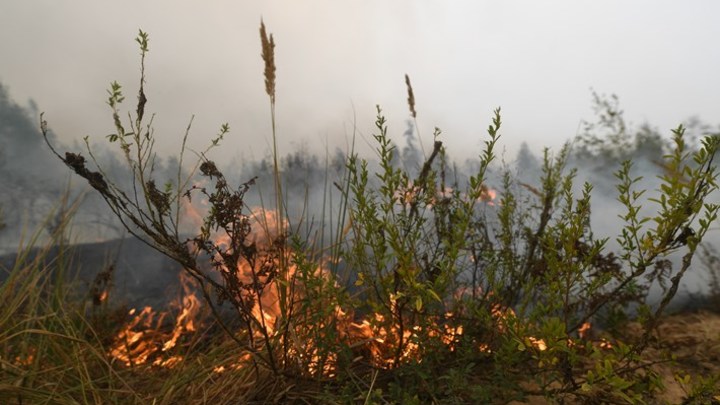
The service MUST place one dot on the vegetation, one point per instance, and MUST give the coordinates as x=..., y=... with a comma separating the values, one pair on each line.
x=415, y=288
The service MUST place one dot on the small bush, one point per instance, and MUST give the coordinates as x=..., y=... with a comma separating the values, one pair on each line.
x=456, y=296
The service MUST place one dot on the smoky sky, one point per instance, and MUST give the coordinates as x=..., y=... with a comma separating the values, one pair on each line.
x=337, y=60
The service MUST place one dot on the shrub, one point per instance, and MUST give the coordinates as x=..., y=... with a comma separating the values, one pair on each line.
x=457, y=296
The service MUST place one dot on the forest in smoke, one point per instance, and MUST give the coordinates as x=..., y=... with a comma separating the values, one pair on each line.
x=404, y=277
x=35, y=183
x=192, y=215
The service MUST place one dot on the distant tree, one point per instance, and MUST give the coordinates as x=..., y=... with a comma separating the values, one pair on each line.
x=337, y=161
x=31, y=179
x=697, y=129
x=649, y=144
x=36, y=182
x=607, y=138
x=610, y=140
x=526, y=161
x=18, y=125
x=411, y=157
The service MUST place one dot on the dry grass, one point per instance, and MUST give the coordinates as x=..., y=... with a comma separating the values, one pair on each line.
x=411, y=97
x=268, y=56
x=53, y=352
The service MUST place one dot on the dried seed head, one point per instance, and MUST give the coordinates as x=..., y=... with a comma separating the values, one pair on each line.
x=411, y=96
x=268, y=55
x=75, y=161
x=159, y=199
x=208, y=168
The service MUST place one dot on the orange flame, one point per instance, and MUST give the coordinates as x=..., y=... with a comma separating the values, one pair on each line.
x=375, y=338
x=584, y=329
x=142, y=339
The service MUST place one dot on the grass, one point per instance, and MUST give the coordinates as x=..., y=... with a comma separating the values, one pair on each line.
x=449, y=299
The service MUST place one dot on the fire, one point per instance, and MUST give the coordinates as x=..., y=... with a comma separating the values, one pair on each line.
x=27, y=359
x=537, y=343
x=488, y=195
x=583, y=330
x=584, y=333
x=374, y=338
x=142, y=339
x=381, y=341
x=410, y=195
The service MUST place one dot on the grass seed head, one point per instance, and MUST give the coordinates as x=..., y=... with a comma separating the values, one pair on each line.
x=411, y=97
x=268, y=55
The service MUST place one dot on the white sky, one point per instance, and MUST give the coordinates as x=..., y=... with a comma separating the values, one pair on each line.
x=535, y=59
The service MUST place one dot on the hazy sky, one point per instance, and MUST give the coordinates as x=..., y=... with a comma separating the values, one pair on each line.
x=337, y=59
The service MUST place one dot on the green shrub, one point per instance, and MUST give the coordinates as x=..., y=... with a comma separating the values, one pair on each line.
x=457, y=297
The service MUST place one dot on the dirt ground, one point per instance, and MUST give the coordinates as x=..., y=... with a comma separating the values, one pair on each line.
x=694, y=339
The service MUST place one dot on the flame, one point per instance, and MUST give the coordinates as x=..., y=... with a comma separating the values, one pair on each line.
x=26, y=359
x=491, y=196
x=583, y=332
x=372, y=338
x=142, y=339
x=537, y=343
x=411, y=193
x=584, y=329
x=487, y=195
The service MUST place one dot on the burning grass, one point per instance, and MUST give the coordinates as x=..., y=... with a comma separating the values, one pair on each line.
x=430, y=290
x=186, y=358
x=179, y=354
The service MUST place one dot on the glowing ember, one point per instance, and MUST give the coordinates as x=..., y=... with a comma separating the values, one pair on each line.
x=537, y=343
x=27, y=359
x=584, y=333
x=584, y=329
x=488, y=195
x=412, y=194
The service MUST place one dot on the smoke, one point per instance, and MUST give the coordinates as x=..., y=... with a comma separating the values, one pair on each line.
x=599, y=151
x=32, y=180
x=38, y=189
x=35, y=181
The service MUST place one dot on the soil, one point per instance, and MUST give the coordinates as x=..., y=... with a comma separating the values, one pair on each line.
x=693, y=338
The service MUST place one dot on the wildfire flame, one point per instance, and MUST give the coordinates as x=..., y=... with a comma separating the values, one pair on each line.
x=374, y=337
x=141, y=340
x=410, y=194
x=488, y=195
